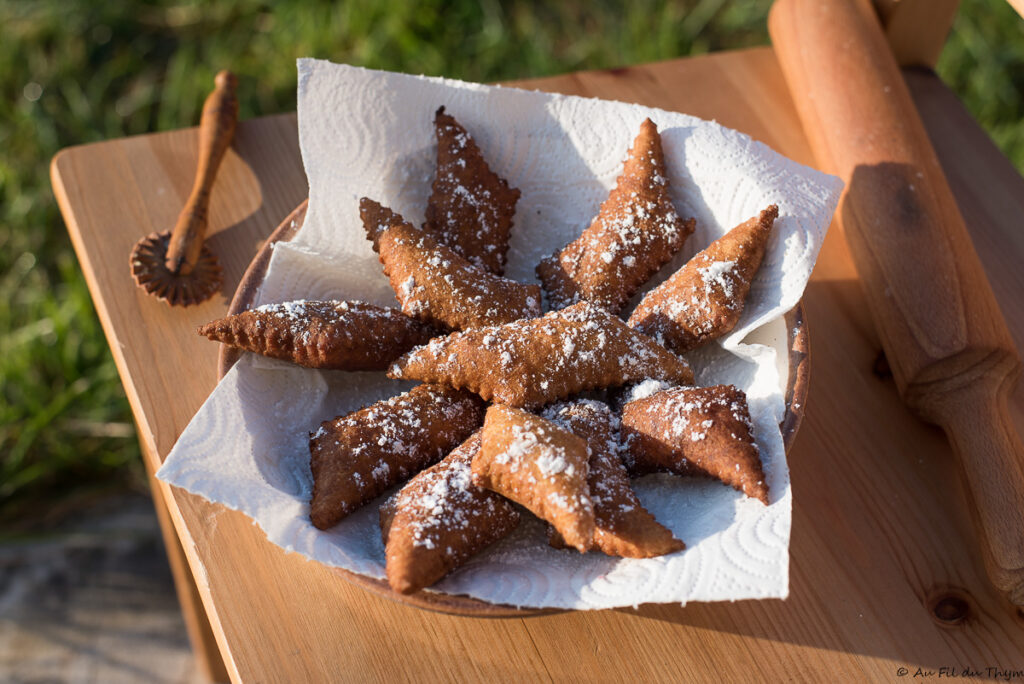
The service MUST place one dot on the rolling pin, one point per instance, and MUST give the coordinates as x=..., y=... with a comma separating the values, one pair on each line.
x=951, y=354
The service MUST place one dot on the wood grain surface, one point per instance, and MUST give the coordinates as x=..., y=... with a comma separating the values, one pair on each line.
x=881, y=539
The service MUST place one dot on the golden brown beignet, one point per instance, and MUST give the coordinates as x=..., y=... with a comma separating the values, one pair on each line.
x=533, y=362
x=622, y=526
x=695, y=431
x=535, y=463
x=355, y=457
x=636, y=232
x=377, y=218
x=471, y=207
x=440, y=519
x=703, y=300
x=436, y=285
x=352, y=336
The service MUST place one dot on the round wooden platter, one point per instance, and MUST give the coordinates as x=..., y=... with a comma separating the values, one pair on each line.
x=796, y=394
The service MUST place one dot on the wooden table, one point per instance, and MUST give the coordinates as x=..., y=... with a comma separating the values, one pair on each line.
x=884, y=568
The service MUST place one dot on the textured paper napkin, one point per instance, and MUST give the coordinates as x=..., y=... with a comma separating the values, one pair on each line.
x=370, y=133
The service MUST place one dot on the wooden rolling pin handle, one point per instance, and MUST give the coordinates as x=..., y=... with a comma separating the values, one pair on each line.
x=216, y=129
x=976, y=419
x=951, y=354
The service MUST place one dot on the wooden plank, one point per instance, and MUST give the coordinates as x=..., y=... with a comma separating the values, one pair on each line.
x=917, y=29
x=878, y=535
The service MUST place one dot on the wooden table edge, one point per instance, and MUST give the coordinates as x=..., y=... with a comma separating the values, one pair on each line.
x=200, y=633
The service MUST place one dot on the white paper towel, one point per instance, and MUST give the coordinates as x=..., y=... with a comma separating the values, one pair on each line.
x=370, y=133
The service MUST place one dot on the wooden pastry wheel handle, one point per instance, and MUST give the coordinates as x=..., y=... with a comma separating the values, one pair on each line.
x=951, y=353
x=978, y=424
x=216, y=129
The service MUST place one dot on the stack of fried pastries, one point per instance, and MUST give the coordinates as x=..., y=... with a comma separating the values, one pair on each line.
x=511, y=417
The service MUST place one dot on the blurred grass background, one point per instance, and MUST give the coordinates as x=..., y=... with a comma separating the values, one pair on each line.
x=77, y=72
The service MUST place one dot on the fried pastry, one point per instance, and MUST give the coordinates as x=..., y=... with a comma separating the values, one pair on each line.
x=703, y=300
x=355, y=457
x=470, y=207
x=692, y=431
x=436, y=285
x=636, y=232
x=352, y=336
x=440, y=519
x=535, y=463
x=622, y=526
x=534, y=362
x=377, y=218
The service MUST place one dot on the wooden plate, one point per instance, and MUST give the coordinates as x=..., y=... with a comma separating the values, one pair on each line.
x=796, y=395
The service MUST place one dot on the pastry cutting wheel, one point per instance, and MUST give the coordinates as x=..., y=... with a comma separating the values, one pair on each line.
x=175, y=265
x=149, y=268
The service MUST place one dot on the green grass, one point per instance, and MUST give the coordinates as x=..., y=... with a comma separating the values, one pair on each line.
x=78, y=72
x=983, y=62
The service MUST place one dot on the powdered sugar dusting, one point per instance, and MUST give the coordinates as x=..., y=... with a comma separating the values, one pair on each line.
x=644, y=389
x=718, y=274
